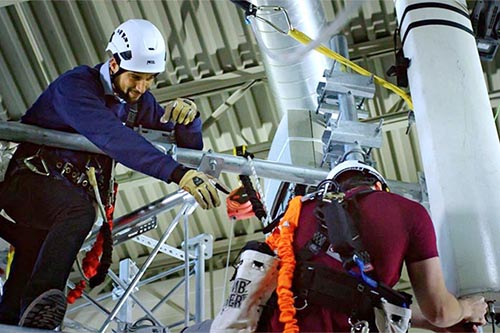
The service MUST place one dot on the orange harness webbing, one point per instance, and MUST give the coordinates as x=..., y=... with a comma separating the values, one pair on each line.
x=281, y=239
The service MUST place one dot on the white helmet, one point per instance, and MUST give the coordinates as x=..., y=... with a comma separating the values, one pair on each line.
x=139, y=47
x=354, y=165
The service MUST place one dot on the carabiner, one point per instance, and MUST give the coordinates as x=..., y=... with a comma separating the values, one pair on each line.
x=275, y=9
x=33, y=168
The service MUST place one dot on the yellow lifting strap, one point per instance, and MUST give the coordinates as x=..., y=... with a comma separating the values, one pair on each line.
x=304, y=39
x=10, y=259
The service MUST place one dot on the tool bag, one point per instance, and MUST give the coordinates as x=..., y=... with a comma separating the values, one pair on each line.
x=252, y=285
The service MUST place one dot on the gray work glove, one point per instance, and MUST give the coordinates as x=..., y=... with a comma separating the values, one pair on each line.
x=203, y=188
x=181, y=111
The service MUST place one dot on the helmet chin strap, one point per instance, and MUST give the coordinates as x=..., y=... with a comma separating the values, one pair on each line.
x=117, y=90
x=114, y=76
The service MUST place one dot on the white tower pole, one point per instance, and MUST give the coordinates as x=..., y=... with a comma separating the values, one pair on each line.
x=458, y=140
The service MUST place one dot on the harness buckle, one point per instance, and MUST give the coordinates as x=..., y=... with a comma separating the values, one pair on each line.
x=67, y=168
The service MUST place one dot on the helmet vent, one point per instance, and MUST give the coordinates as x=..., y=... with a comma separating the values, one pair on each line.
x=123, y=35
x=126, y=55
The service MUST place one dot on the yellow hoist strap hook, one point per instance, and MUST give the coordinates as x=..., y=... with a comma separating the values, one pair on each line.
x=304, y=39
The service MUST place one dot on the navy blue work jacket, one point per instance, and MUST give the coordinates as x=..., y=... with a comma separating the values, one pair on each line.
x=82, y=101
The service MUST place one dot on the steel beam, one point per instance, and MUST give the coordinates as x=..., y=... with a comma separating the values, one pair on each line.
x=211, y=85
x=5, y=3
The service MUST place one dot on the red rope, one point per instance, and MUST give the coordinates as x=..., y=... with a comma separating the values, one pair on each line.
x=91, y=261
x=76, y=292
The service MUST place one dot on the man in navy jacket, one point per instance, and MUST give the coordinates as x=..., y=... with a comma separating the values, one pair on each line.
x=47, y=190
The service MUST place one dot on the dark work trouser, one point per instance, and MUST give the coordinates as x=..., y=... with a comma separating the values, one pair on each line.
x=52, y=220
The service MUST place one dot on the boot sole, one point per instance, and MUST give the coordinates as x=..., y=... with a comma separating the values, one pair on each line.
x=46, y=311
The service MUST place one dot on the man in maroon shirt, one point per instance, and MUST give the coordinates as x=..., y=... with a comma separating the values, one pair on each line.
x=394, y=230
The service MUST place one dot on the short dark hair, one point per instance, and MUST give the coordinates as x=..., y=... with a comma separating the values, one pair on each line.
x=351, y=179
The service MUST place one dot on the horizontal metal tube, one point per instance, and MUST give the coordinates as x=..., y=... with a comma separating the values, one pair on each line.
x=263, y=168
x=17, y=132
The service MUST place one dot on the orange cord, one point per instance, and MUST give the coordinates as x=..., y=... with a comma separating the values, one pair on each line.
x=281, y=239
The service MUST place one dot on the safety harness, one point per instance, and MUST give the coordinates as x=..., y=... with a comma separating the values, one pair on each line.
x=98, y=259
x=302, y=282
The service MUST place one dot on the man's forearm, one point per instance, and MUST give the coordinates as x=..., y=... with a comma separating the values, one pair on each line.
x=418, y=319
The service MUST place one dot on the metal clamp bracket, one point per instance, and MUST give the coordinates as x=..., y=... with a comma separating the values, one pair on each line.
x=194, y=243
x=211, y=165
x=346, y=131
x=343, y=83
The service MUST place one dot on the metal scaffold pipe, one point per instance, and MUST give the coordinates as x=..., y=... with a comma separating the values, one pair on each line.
x=17, y=132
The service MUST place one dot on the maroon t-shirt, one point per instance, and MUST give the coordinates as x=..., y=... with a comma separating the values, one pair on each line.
x=393, y=230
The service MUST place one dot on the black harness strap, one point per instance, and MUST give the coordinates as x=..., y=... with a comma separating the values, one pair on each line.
x=319, y=242
x=323, y=286
x=338, y=227
x=274, y=223
x=132, y=115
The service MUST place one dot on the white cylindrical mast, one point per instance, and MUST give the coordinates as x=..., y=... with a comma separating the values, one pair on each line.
x=458, y=140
